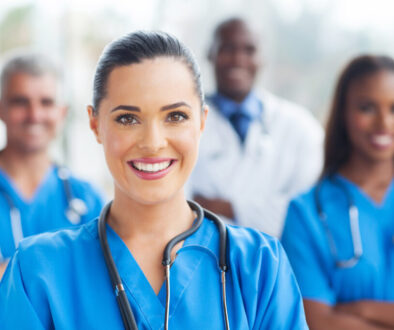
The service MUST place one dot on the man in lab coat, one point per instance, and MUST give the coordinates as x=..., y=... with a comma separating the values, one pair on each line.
x=258, y=151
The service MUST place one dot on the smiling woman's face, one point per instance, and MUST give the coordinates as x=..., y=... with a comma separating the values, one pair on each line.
x=150, y=124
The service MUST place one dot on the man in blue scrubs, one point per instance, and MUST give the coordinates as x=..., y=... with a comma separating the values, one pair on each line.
x=35, y=195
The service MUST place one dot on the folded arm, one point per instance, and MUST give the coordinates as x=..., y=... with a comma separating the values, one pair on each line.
x=345, y=316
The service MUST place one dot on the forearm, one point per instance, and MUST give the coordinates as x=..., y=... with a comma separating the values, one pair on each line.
x=378, y=312
x=322, y=317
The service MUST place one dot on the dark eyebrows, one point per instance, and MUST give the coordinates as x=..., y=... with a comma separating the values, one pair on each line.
x=175, y=105
x=126, y=107
x=163, y=108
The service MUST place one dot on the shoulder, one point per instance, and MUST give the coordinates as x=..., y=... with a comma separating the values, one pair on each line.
x=44, y=250
x=302, y=209
x=251, y=248
x=81, y=188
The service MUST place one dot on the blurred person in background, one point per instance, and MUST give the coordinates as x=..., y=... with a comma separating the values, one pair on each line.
x=36, y=195
x=339, y=236
x=258, y=151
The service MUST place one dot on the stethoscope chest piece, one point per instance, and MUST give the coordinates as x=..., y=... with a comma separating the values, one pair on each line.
x=76, y=209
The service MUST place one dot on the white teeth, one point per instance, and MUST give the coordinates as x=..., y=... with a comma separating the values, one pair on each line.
x=152, y=168
x=382, y=140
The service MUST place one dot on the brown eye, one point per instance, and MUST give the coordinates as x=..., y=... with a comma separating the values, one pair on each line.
x=367, y=107
x=177, y=116
x=126, y=119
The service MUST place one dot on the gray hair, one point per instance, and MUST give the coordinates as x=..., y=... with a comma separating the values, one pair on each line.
x=34, y=64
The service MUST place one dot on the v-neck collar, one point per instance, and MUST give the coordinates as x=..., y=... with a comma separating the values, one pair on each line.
x=14, y=193
x=150, y=305
x=357, y=192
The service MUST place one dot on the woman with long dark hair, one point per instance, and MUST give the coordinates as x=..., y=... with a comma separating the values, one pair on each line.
x=340, y=235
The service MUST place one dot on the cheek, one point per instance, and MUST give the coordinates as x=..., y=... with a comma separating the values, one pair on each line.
x=16, y=115
x=187, y=142
x=115, y=143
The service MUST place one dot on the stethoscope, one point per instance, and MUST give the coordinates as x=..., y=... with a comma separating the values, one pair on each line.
x=354, y=227
x=76, y=207
x=123, y=303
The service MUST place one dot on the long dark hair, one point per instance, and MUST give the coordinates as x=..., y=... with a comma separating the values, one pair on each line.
x=136, y=47
x=337, y=146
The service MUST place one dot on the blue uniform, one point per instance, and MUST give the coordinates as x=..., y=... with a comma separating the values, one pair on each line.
x=46, y=210
x=308, y=247
x=59, y=280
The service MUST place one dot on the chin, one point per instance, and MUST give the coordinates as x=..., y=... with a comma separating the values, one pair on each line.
x=155, y=196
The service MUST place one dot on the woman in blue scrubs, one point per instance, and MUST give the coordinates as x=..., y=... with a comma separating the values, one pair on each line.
x=148, y=113
x=340, y=235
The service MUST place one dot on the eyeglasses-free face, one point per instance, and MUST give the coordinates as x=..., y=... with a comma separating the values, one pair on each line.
x=150, y=124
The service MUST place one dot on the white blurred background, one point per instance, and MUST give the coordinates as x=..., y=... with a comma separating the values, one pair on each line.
x=305, y=44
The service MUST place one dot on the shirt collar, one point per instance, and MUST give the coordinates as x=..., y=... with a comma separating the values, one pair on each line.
x=251, y=106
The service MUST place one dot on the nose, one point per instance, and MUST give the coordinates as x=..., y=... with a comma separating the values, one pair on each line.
x=153, y=138
x=386, y=120
x=239, y=58
x=34, y=113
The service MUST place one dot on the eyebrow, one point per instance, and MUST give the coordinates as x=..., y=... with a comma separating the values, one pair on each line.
x=126, y=107
x=163, y=108
x=174, y=106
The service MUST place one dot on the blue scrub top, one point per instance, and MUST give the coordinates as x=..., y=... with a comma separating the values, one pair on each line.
x=45, y=211
x=59, y=280
x=308, y=249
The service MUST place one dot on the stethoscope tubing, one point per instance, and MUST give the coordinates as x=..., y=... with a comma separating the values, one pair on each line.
x=15, y=215
x=126, y=312
x=354, y=227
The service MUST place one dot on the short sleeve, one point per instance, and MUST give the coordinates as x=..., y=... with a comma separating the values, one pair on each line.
x=306, y=247
x=284, y=309
x=16, y=310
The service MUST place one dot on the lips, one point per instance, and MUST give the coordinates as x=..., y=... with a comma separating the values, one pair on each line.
x=151, y=168
x=382, y=141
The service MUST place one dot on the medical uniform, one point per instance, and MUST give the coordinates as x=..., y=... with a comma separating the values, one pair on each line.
x=280, y=157
x=59, y=280
x=308, y=246
x=46, y=210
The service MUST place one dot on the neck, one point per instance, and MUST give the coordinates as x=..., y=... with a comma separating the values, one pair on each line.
x=159, y=222
x=27, y=170
x=372, y=177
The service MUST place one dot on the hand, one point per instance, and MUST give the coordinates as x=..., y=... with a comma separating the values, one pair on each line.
x=216, y=205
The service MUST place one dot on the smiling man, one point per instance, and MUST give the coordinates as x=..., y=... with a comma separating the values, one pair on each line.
x=258, y=151
x=35, y=195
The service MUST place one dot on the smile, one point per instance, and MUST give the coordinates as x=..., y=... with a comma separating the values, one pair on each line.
x=151, y=168
x=382, y=140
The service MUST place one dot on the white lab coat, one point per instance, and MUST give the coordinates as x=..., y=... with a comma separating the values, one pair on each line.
x=281, y=157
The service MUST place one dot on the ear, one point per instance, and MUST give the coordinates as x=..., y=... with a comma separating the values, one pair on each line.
x=63, y=111
x=93, y=123
x=204, y=114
